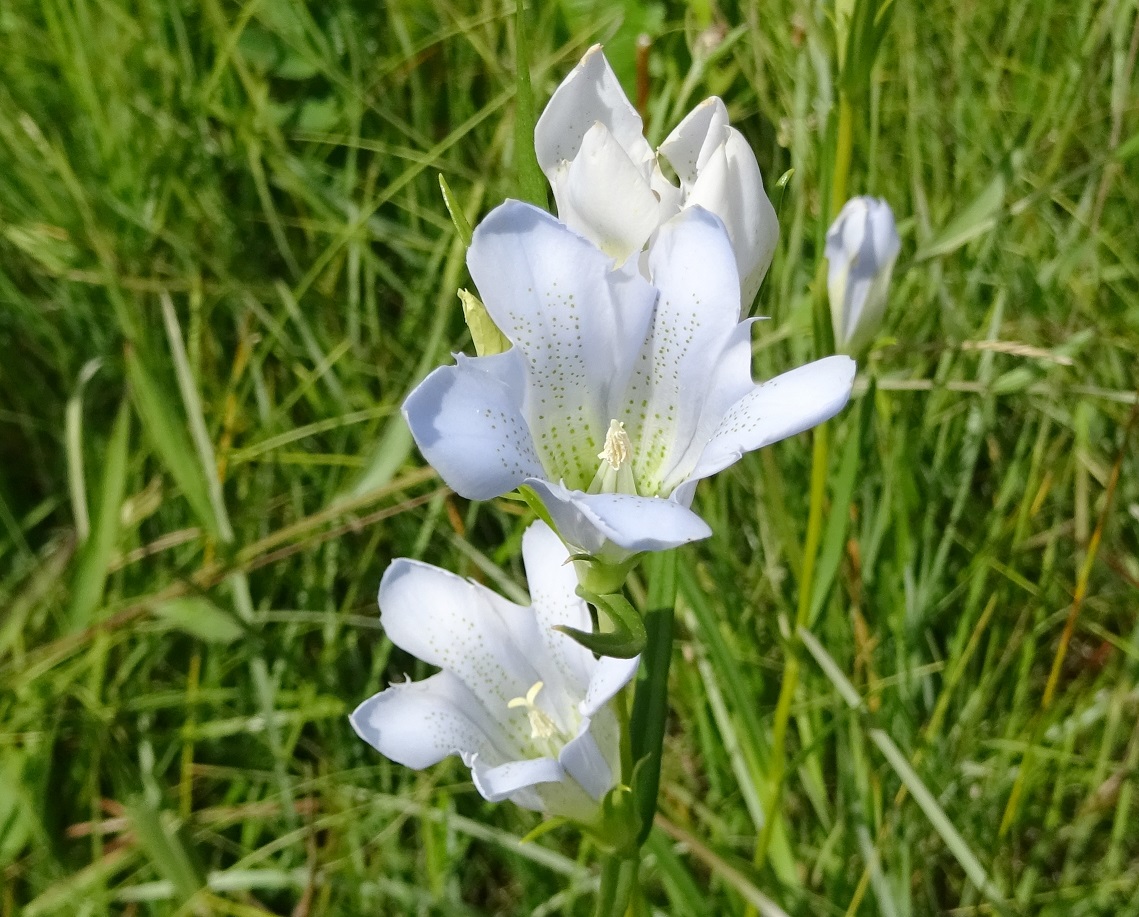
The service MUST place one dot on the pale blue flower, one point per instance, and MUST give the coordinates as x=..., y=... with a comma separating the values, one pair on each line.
x=618, y=395
x=525, y=706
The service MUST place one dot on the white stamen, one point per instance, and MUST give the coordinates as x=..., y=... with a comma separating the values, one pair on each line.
x=541, y=726
x=617, y=446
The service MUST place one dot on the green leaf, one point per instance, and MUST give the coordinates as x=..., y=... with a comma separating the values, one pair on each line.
x=937, y=817
x=978, y=217
x=195, y=416
x=16, y=820
x=201, y=618
x=95, y=555
x=838, y=520
x=529, y=180
x=166, y=430
x=614, y=643
x=163, y=840
x=624, y=617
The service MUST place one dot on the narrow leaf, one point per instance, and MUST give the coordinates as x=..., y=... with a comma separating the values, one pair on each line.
x=978, y=217
x=192, y=402
x=488, y=340
x=201, y=618
x=531, y=183
x=166, y=430
x=95, y=556
x=160, y=836
x=937, y=817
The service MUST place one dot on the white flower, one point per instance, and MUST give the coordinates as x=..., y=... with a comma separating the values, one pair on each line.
x=525, y=706
x=609, y=186
x=617, y=395
x=862, y=246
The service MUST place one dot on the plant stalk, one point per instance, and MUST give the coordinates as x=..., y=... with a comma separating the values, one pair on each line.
x=618, y=886
x=650, y=704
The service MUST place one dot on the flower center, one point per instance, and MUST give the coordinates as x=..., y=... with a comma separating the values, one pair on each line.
x=617, y=445
x=541, y=726
x=615, y=473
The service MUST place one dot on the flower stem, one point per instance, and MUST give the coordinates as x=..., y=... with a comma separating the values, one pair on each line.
x=618, y=886
x=618, y=896
x=844, y=147
x=650, y=704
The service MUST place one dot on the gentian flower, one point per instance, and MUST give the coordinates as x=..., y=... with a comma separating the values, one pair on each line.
x=617, y=396
x=608, y=183
x=525, y=707
x=862, y=246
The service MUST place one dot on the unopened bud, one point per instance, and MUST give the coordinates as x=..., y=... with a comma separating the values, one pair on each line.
x=862, y=246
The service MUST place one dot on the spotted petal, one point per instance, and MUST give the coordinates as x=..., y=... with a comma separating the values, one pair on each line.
x=467, y=420
x=696, y=359
x=463, y=628
x=418, y=724
x=576, y=323
x=781, y=407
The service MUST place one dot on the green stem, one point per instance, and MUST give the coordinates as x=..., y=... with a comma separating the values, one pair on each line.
x=650, y=704
x=820, y=460
x=844, y=147
x=618, y=886
x=640, y=768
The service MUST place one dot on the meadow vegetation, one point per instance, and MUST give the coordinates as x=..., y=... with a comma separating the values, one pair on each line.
x=224, y=261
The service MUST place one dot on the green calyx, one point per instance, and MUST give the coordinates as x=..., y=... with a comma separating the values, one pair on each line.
x=625, y=635
x=602, y=577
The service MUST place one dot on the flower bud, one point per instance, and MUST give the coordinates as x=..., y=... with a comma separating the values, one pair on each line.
x=862, y=246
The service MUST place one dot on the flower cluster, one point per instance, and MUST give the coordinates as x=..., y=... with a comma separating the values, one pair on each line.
x=627, y=380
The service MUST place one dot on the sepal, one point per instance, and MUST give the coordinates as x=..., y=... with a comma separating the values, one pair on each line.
x=616, y=830
x=625, y=640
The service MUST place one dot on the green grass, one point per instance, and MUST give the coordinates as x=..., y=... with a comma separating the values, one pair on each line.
x=233, y=210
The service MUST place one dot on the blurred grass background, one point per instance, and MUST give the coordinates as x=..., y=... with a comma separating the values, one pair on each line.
x=223, y=262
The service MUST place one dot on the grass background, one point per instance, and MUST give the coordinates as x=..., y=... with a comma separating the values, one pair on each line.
x=223, y=262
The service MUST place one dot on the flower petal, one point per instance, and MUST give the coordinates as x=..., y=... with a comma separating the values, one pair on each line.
x=420, y=723
x=498, y=783
x=610, y=676
x=613, y=526
x=604, y=196
x=467, y=420
x=582, y=759
x=781, y=407
x=591, y=93
x=553, y=596
x=467, y=630
x=731, y=186
x=693, y=140
x=577, y=324
x=696, y=359
x=540, y=784
x=719, y=171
